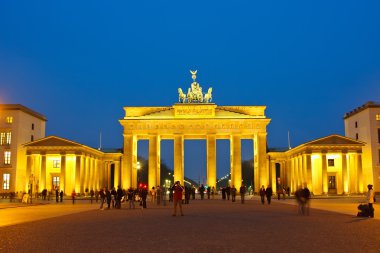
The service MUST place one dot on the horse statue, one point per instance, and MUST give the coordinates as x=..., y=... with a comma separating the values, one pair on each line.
x=208, y=96
x=181, y=96
x=189, y=96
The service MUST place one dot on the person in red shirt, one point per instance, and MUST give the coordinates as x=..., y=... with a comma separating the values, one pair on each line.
x=177, y=197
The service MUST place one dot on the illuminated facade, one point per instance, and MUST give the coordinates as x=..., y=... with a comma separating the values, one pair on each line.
x=194, y=121
x=329, y=165
x=18, y=125
x=54, y=162
x=363, y=124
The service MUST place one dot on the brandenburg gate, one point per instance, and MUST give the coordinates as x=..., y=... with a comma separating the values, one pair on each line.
x=195, y=117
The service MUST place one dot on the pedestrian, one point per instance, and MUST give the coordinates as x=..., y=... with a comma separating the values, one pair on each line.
x=208, y=192
x=153, y=193
x=370, y=200
x=92, y=193
x=242, y=192
x=159, y=194
x=61, y=196
x=233, y=193
x=96, y=196
x=228, y=192
x=306, y=196
x=119, y=196
x=202, y=191
x=262, y=194
x=73, y=195
x=108, y=198
x=171, y=194
x=213, y=192
x=177, y=197
x=224, y=193
x=187, y=195
x=56, y=194
x=113, y=197
x=269, y=193
x=144, y=194
x=193, y=191
x=131, y=197
x=102, y=195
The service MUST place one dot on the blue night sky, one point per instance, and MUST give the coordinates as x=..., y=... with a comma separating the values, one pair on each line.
x=80, y=62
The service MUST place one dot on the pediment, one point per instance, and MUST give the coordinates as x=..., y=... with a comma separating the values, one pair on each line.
x=335, y=139
x=53, y=141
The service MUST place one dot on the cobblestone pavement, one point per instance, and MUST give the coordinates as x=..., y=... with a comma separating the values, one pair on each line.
x=208, y=226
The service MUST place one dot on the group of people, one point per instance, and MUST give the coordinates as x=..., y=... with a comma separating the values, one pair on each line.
x=228, y=192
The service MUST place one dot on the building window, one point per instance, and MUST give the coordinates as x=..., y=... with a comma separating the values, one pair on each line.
x=32, y=138
x=6, y=180
x=357, y=136
x=2, y=138
x=7, y=156
x=9, y=119
x=356, y=124
x=9, y=138
x=377, y=116
x=56, y=163
x=330, y=162
x=32, y=126
x=55, y=182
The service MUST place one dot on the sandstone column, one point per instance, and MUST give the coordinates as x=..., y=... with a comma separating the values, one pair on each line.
x=63, y=172
x=211, y=160
x=235, y=152
x=43, y=172
x=178, y=158
x=129, y=174
x=344, y=189
x=324, y=174
x=154, y=161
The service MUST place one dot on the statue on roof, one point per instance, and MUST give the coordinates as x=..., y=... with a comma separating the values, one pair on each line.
x=195, y=94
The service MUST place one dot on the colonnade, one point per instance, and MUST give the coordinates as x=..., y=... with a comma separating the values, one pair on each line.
x=129, y=167
x=312, y=168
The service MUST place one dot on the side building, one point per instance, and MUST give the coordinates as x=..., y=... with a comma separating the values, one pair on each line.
x=56, y=163
x=363, y=124
x=329, y=165
x=18, y=125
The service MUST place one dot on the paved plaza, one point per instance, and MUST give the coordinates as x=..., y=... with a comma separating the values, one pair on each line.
x=208, y=226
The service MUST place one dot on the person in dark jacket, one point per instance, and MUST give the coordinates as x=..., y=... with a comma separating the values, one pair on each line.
x=269, y=193
x=262, y=194
x=242, y=192
x=233, y=193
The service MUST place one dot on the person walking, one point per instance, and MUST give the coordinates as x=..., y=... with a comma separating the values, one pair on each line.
x=131, y=197
x=177, y=197
x=370, y=200
x=108, y=197
x=119, y=196
x=159, y=195
x=73, y=195
x=242, y=192
x=202, y=191
x=269, y=193
x=102, y=195
x=61, y=196
x=233, y=193
x=56, y=194
x=262, y=194
x=228, y=192
x=153, y=193
x=213, y=192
